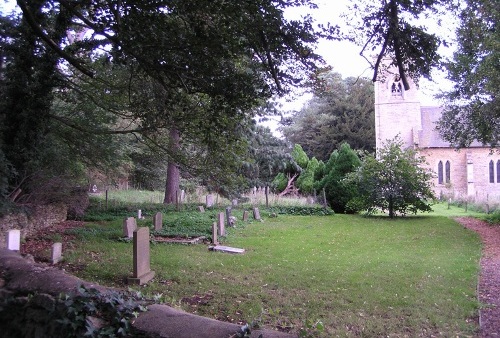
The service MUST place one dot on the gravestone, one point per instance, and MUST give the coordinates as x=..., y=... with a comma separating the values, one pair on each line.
x=129, y=226
x=214, y=234
x=209, y=201
x=228, y=216
x=142, y=270
x=56, y=254
x=158, y=221
x=139, y=214
x=201, y=208
x=14, y=239
x=245, y=215
x=256, y=214
x=222, y=229
x=234, y=202
x=183, y=195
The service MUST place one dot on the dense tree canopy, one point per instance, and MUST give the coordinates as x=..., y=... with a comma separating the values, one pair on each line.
x=186, y=76
x=341, y=110
x=192, y=69
x=473, y=105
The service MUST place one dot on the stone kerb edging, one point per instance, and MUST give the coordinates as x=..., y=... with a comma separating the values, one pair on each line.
x=24, y=276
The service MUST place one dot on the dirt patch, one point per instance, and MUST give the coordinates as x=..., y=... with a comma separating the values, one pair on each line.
x=489, y=280
x=40, y=243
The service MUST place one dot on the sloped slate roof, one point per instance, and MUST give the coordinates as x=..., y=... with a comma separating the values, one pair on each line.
x=429, y=137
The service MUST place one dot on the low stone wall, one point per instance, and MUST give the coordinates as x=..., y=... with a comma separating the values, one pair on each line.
x=20, y=277
x=32, y=219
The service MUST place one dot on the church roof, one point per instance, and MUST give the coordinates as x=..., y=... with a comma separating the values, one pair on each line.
x=429, y=137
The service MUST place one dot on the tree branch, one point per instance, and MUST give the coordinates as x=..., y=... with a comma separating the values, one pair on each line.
x=30, y=19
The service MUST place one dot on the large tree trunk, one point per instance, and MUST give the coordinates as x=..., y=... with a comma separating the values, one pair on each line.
x=173, y=173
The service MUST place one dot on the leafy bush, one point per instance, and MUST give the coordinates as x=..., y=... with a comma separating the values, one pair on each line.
x=301, y=210
x=337, y=190
x=493, y=218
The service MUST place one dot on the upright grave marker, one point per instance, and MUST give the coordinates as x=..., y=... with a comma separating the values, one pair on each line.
x=142, y=269
x=228, y=216
x=158, y=221
x=222, y=229
x=201, y=208
x=209, y=201
x=56, y=254
x=129, y=226
x=256, y=213
x=245, y=215
x=14, y=239
x=214, y=234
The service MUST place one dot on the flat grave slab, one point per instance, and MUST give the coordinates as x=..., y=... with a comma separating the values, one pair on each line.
x=227, y=249
x=179, y=240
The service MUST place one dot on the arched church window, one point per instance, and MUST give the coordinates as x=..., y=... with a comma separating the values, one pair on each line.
x=397, y=88
x=447, y=172
x=492, y=174
x=440, y=172
x=498, y=171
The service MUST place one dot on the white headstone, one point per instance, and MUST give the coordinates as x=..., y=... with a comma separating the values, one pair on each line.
x=56, y=255
x=14, y=239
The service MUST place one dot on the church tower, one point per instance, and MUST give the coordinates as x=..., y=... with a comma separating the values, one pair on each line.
x=397, y=112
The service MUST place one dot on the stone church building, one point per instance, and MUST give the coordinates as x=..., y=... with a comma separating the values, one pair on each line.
x=471, y=173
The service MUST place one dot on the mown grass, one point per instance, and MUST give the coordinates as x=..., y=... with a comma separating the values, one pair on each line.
x=413, y=276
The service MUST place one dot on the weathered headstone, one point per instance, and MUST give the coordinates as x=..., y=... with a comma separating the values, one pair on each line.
x=158, y=221
x=228, y=216
x=201, y=208
x=142, y=270
x=129, y=226
x=234, y=202
x=56, y=254
x=245, y=215
x=183, y=195
x=14, y=239
x=209, y=201
x=139, y=214
x=214, y=234
x=256, y=214
x=222, y=229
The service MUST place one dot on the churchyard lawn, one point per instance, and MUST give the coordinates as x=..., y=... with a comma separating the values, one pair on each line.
x=413, y=276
